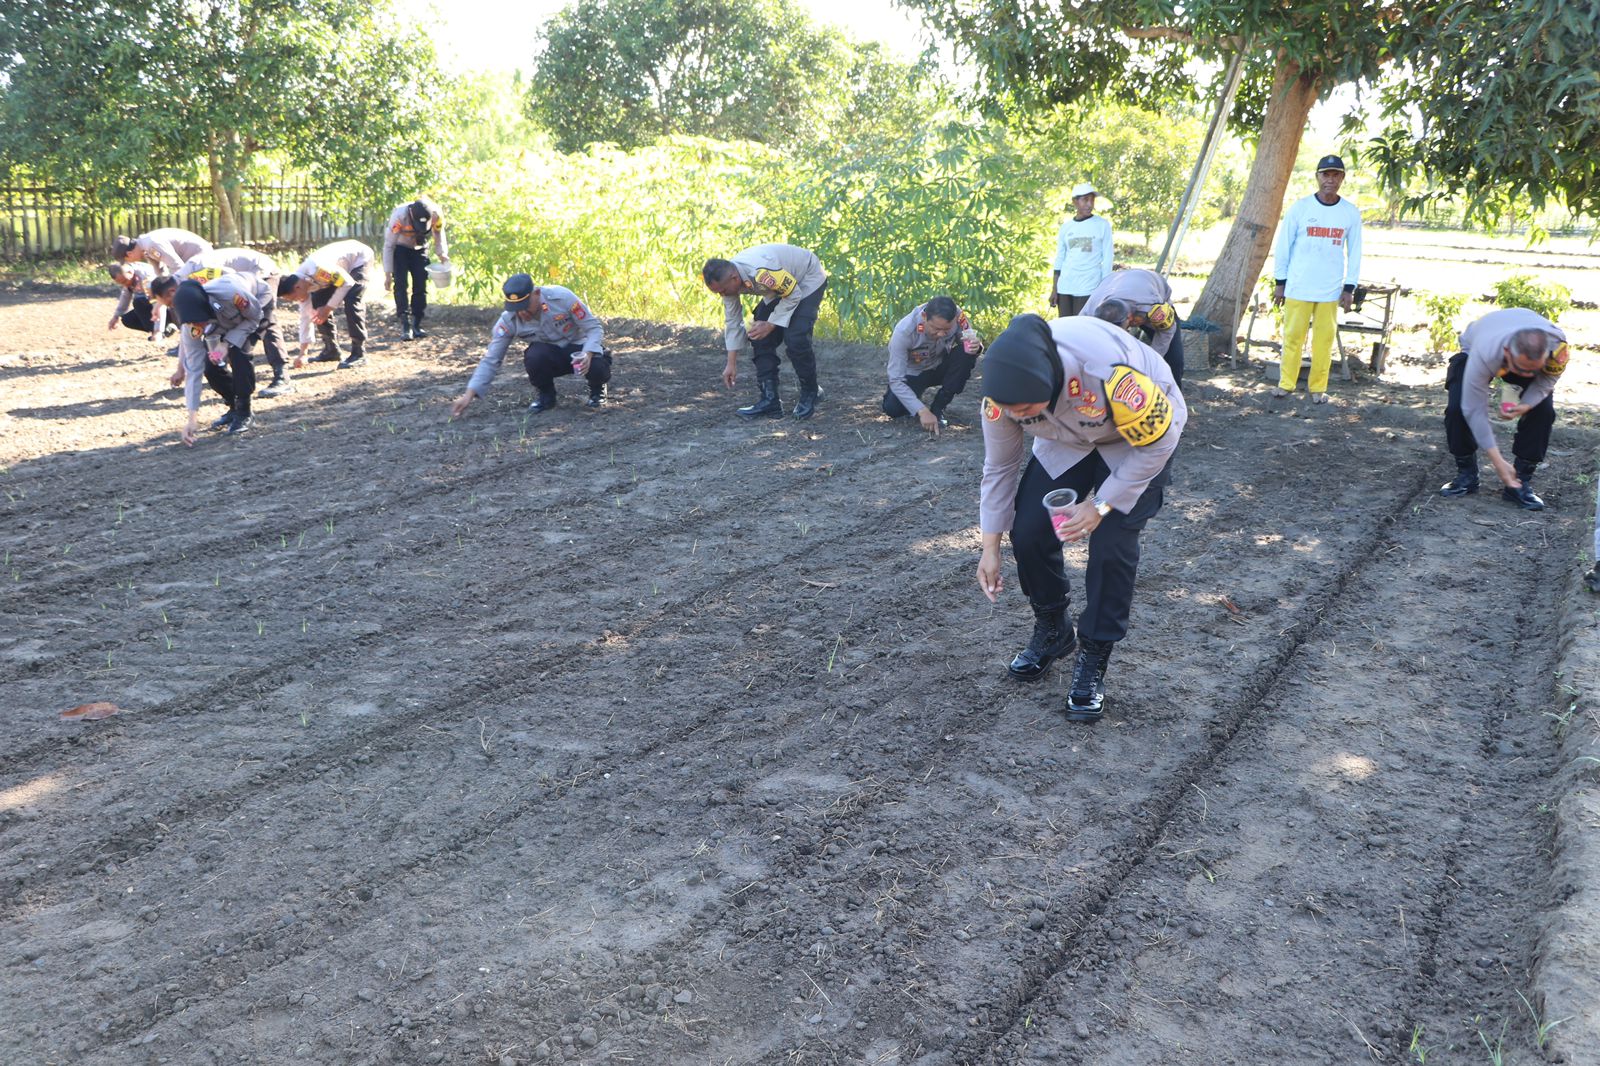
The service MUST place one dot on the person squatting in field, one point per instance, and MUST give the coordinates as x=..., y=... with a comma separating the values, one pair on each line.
x=405, y=260
x=334, y=275
x=1141, y=300
x=219, y=322
x=134, y=307
x=789, y=282
x=563, y=338
x=933, y=345
x=1528, y=352
x=1106, y=416
x=1316, y=264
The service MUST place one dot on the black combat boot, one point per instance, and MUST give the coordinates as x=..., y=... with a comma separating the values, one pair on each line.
x=1465, y=483
x=416, y=328
x=1053, y=637
x=405, y=325
x=542, y=402
x=769, y=406
x=1592, y=578
x=1086, y=699
x=330, y=348
x=1524, y=497
x=806, y=405
x=597, y=396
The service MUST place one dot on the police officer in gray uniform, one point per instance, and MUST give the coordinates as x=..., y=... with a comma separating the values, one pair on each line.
x=1527, y=351
x=790, y=283
x=563, y=337
x=219, y=322
x=1141, y=300
x=1105, y=416
x=933, y=345
x=164, y=249
x=258, y=265
x=134, y=307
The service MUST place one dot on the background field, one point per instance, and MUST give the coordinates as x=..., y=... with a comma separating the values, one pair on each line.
x=650, y=736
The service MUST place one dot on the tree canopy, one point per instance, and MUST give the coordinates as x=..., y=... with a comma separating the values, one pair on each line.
x=1493, y=102
x=113, y=95
x=627, y=72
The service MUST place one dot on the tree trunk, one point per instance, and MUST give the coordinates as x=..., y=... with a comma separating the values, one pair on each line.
x=1229, y=288
x=227, y=223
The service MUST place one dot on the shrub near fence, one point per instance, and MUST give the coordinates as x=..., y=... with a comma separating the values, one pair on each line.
x=38, y=222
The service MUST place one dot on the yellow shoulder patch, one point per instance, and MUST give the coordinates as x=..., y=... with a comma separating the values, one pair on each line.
x=779, y=281
x=1139, y=409
x=1161, y=316
x=1558, y=360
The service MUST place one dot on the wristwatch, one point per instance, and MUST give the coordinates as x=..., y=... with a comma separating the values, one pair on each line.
x=1101, y=507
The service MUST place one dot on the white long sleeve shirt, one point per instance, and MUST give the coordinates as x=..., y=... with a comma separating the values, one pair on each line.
x=1083, y=255
x=1318, y=252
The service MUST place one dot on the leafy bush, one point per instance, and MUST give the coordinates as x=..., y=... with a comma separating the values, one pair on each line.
x=628, y=231
x=1523, y=290
x=1442, y=308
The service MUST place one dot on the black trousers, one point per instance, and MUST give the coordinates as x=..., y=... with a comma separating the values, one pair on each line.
x=951, y=379
x=1173, y=354
x=236, y=382
x=271, y=339
x=411, y=280
x=1113, y=566
x=546, y=362
x=140, y=315
x=1067, y=306
x=796, y=337
x=355, y=314
x=1533, y=429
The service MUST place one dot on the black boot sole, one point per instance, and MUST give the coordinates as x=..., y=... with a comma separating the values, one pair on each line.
x=1044, y=666
x=1074, y=715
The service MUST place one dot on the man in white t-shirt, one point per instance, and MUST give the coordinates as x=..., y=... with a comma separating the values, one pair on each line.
x=1316, y=264
x=1083, y=254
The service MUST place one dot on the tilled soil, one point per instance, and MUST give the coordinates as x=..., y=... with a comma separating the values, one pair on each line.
x=645, y=735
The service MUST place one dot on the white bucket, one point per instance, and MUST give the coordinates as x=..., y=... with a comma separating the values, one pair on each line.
x=439, y=274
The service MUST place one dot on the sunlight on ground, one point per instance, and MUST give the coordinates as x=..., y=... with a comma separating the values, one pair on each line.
x=31, y=793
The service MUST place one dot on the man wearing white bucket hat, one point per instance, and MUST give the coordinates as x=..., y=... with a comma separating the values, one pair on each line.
x=405, y=259
x=1083, y=253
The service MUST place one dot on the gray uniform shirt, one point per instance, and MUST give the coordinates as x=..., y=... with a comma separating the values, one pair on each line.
x=778, y=272
x=1140, y=290
x=146, y=274
x=241, y=260
x=168, y=249
x=1485, y=341
x=402, y=232
x=913, y=352
x=563, y=321
x=236, y=301
x=1089, y=350
x=332, y=265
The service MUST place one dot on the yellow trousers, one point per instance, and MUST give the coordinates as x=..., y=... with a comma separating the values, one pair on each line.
x=1297, y=315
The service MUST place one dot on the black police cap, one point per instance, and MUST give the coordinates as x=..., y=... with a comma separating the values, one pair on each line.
x=518, y=288
x=191, y=303
x=1330, y=162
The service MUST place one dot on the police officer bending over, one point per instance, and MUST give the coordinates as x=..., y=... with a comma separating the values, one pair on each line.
x=1105, y=416
x=789, y=282
x=405, y=260
x=1526, y=350
x=563, y=338
x=1141, y=300
x=331, y=276
x=933, y=345
x=134, y=308
x=225, y=313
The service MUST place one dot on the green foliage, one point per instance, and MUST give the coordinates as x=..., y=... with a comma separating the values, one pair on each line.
x=1442, y=308
x=627, y=72
x=116, y=95
x=628, y=231
x=1524, y=290
x=954, y=210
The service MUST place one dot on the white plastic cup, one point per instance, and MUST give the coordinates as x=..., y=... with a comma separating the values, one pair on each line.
x=577, y=364
x=1060, y=503
x=969, y=340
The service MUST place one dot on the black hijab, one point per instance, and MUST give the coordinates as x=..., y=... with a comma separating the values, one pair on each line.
x=1021, y=366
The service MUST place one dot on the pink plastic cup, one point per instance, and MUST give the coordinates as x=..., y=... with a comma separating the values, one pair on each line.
x=1060, y=504
x=1507, y=407
x=577, y=364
